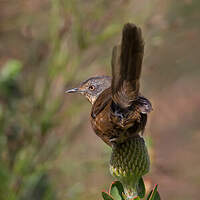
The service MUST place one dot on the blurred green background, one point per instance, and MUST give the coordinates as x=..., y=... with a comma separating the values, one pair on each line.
x=47, y=148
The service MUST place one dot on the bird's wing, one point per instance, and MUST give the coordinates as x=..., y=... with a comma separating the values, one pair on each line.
x=101, y=102
x=126, y=66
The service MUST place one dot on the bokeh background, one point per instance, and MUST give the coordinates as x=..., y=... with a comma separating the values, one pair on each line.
x=47, y=148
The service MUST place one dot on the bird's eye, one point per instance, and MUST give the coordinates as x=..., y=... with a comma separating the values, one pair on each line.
x=91, y=87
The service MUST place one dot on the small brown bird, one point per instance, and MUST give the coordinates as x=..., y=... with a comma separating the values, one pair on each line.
x=119, y=111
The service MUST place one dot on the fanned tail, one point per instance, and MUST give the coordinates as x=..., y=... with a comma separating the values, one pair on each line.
x=126, y=66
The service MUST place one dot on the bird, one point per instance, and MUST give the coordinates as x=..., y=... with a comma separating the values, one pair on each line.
x=119, y=111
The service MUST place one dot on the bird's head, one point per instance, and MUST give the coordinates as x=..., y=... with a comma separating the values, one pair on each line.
x=92, y=87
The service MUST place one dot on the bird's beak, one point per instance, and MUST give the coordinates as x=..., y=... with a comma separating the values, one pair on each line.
x=73, y=90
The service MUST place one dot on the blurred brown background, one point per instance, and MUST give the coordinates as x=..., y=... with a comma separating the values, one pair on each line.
x=47, y=147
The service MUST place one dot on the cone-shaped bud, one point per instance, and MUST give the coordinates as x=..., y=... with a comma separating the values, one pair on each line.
x=129, y=161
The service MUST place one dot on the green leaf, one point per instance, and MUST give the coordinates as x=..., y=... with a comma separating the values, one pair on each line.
x=141, y=188
x=137, y=198
x=11, y=69
x=149, y=195
x=124, y=196
x=117, y=190
x=106, y=196
x=154, y=195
